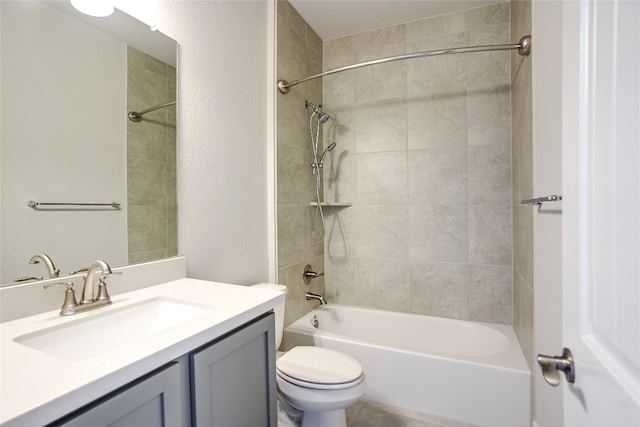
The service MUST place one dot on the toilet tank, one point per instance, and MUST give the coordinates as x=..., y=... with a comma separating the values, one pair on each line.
x=278, y=310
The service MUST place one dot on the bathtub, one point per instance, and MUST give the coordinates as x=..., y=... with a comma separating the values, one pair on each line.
x=468, y=371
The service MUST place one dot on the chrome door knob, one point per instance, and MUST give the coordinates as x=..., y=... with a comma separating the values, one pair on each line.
x=552, y=365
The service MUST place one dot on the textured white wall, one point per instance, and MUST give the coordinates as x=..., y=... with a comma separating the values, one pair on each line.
x=222, y=133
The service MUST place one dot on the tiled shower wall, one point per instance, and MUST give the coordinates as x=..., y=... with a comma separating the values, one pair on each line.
x=151, y=160
x=299, y=54
x=424, y=156
x=522, y=183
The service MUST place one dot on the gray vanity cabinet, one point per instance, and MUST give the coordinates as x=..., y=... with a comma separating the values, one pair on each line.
x=154, y=400
x=233, y=379
x=229, y=382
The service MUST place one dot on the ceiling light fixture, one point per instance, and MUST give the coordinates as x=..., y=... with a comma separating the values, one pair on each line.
x=97, y=8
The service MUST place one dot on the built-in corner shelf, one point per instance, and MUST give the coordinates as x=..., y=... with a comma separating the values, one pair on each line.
x=332, y=204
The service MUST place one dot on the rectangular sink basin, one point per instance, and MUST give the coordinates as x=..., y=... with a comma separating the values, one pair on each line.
x=91, y=336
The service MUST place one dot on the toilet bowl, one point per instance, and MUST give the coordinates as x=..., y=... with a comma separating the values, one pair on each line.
x=321, y=383
x=318, y=381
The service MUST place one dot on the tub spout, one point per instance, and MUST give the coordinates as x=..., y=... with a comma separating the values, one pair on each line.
x=311, y=296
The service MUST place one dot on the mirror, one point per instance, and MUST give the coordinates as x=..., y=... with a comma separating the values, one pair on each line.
x=67, y=83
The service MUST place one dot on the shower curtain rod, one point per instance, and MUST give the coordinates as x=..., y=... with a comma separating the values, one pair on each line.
x=136, y=117
x=523, y=47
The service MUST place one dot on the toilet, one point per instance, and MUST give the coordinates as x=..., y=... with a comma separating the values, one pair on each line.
x=318, y=381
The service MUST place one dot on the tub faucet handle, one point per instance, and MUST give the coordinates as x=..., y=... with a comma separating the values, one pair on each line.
x=309, y=274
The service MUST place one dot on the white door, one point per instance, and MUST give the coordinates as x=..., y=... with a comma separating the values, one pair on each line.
x=601, y=211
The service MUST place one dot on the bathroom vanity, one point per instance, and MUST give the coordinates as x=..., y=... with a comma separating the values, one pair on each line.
x=186, y=352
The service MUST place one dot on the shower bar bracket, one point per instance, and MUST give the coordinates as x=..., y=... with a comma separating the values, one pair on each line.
x=540, y=200
x=135, y=116
x=36, y=205
x=523, y=47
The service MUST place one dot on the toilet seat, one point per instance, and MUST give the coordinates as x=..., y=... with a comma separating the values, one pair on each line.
x=319, y=368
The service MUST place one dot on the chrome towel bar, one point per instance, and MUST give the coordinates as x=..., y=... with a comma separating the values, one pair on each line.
x=36, y=205
x=540, y=200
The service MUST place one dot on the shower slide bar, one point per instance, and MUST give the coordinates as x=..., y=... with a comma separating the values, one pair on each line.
x=134, y=116
x=540, y=200
x=36, y=205
x=523, y=46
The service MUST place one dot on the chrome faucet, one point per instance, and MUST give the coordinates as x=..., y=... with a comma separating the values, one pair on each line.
x=311, y=296
x=88, y=302
x=53, y=271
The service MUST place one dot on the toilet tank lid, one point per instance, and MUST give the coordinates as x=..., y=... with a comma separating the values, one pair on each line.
x=271, y=286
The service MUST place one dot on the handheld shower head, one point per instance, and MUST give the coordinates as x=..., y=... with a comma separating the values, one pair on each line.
x=326, y=150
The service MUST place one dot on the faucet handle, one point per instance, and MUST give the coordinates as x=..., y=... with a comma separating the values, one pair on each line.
x=309, y=274
x=103, y=295
x=69, y=285
x=111, y=273
x=70, y=302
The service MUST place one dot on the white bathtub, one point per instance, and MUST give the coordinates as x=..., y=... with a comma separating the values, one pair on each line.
x=468, y=371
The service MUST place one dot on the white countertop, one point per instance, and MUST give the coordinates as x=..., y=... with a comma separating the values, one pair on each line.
x=36, y=388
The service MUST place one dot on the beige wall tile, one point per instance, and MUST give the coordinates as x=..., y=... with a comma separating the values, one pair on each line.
x=339, y=174
x=381, y=232
x=383, y=284
x=382, y=81
x=340, y=279
x=292, y=54
x=521, y=100
x=340, y=240
x=287, y=14
x=426, y=75
x=487, y=16
x=439, y=289
x=437, y=120
x=384, y=36
x=424, y=28
x=490, y=293
x=524, y=312
x=438, y=175
x=296, y=184
x=438, y=233
x=292, y=234
x=488, y=69
x=523, y=241
x=147, y=228
x=381, y=126
x=490, y=174
x=485, y=136
x=490, y=234
x=381, y=178
x=291, y=114
x=339, y=90
x=489, y=107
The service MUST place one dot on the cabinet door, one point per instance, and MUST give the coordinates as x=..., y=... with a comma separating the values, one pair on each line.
x=153, y=400
x=233, y=379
